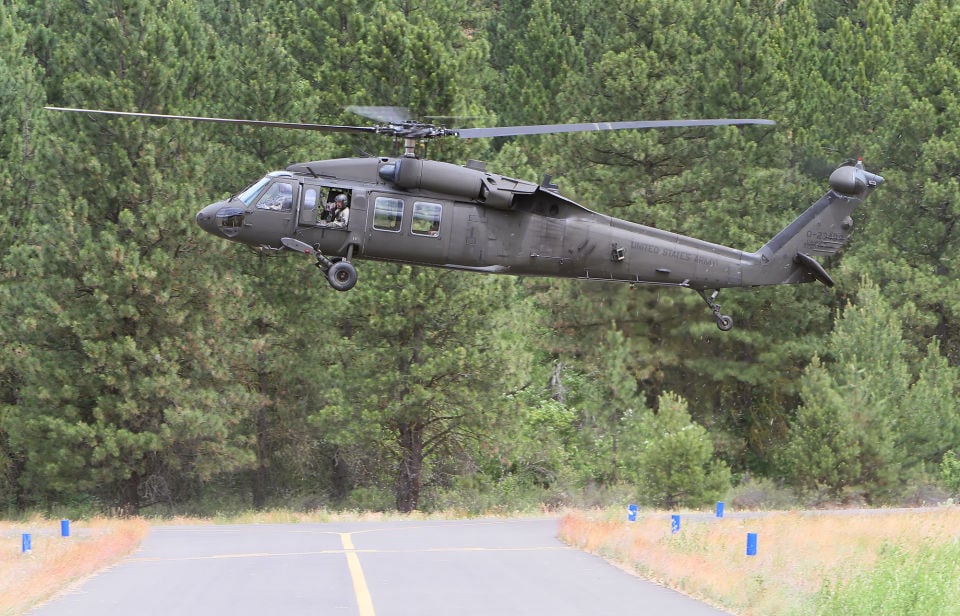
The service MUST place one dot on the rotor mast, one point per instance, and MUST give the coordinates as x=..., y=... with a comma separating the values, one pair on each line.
x=409, y=147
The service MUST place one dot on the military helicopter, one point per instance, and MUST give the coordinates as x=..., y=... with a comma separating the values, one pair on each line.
x=414, y=210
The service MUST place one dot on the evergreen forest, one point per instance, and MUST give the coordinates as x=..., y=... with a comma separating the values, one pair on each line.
x=149, y=367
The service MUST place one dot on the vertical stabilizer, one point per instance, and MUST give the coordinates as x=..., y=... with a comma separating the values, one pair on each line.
x=822, y=230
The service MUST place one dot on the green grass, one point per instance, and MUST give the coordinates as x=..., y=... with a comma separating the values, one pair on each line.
x=922, y=581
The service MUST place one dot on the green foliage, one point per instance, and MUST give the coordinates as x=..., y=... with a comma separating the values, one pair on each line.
x=866, y=420
x=423, y=350
x=545, y=448
x=906, y=580
x=950, y=473
x=534, y=53
x=930, y=413
x=121, y=390
x=21, y=97
x=822, y=449
x=147, y=365
x=675, y=465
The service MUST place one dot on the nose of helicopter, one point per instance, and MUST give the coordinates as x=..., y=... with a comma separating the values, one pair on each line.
x=207, y=217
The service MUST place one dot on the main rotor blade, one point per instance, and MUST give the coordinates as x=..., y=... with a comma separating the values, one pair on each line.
x=543, y=129
x=390, y=115
x=407, y=128
x=293, y=125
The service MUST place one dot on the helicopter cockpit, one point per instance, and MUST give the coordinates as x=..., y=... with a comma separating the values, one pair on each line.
x=278, y=203
x=270, y=193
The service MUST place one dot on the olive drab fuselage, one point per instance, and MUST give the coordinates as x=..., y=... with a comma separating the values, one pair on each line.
x=494, y=224
x=463, y=217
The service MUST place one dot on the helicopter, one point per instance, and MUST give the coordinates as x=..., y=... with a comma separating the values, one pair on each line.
x=418, y=211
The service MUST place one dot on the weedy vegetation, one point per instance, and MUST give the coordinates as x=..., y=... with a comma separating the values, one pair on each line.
x=859, y=562
x=55, y=562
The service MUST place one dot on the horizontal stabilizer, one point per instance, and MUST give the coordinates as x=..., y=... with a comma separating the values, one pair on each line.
x=296, y=245
x=813, y=268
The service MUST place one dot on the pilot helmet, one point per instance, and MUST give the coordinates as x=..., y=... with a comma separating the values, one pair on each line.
x=340, y=200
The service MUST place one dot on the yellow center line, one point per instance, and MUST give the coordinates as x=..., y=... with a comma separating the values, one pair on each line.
x=364, y=601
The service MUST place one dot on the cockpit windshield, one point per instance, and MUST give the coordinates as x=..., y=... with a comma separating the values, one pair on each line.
x=248, y=195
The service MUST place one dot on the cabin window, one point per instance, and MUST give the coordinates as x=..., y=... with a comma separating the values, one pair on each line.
x=387, y=213
x=426, y=218
x=308, y=210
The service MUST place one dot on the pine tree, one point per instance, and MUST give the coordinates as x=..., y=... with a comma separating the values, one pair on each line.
x=869, y=422
x=822, y=451
x=929, y=418
x=608, y=427
x=127, y=391
x=428, y=360
x=913, y=229
x=21, y=119
x=676, y=466
x=533, y=62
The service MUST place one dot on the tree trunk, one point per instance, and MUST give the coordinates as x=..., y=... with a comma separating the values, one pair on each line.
x=411, y=467
x=129, y=497
x=341, y=475
x=260, y=479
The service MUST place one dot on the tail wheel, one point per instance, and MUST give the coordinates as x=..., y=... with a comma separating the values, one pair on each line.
x=724, y=322
x=342, y=275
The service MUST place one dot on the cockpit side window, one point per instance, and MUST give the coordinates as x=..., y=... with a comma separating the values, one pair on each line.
x=278, y=197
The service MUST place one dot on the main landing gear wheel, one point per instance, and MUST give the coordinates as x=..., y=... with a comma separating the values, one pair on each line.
x=342, y=275
x=724, y=322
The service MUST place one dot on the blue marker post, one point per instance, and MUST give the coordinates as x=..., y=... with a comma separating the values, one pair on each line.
x=26, y=544
x=675, y=524
x=632, y=513
x=720, y=507
x=751, y=544
x=64, y=528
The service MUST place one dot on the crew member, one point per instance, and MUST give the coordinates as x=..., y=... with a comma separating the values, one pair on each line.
x=342, y=209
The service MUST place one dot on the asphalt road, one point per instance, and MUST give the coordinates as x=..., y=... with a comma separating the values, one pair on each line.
x=399, y=568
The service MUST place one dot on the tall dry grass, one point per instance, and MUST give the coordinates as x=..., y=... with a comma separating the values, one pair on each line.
x=799, y=553
x=56, y=562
